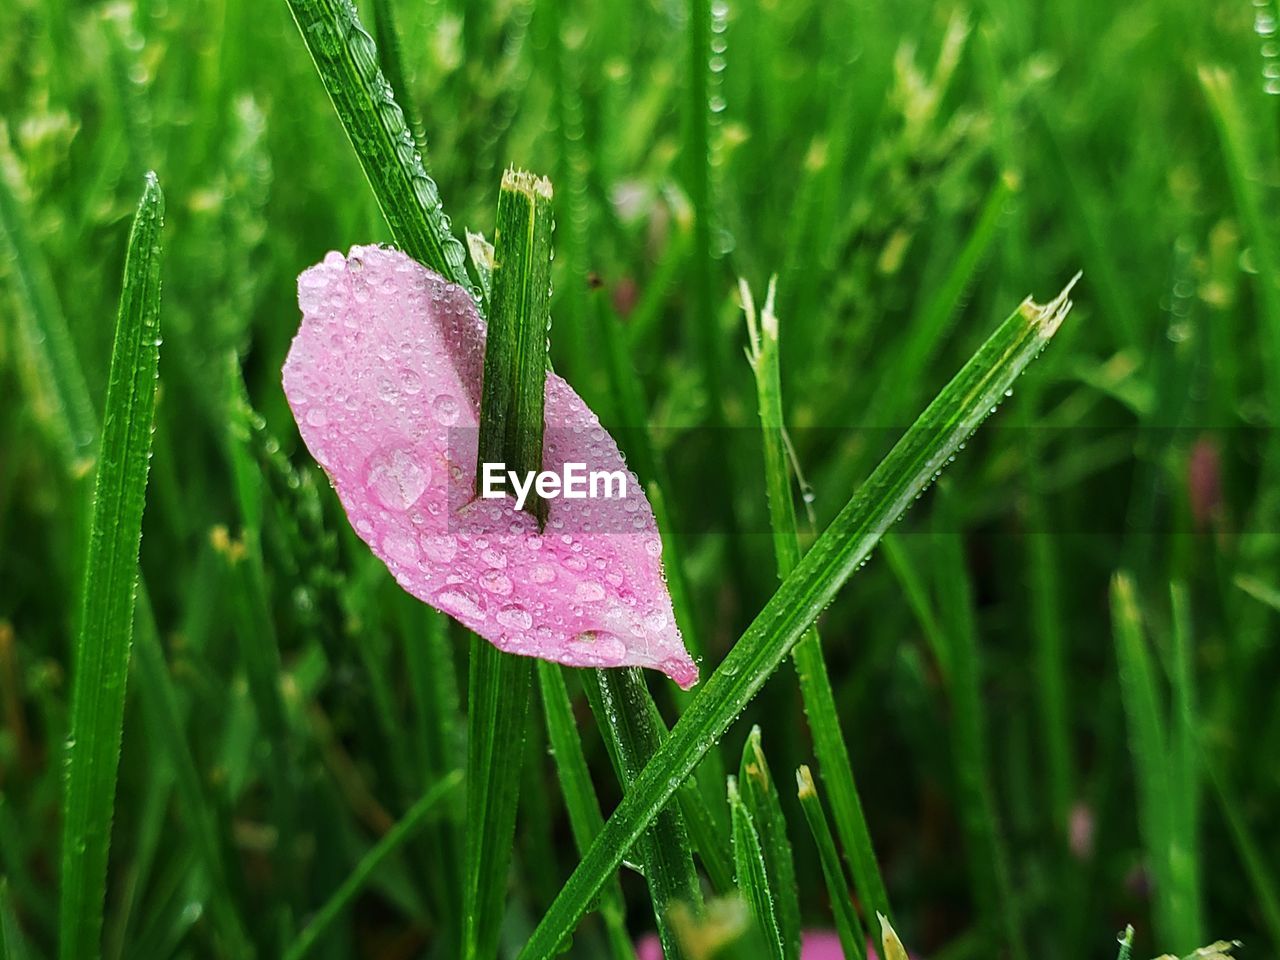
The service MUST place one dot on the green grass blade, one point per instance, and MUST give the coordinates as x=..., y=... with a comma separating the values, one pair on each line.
x=1262, y=592
x=1259, y=865
x=511, y=425
x=912, y=464
x=254, y=628
x=347, y=59
x=497, y=707
x=988, y=853
x=849, y=930
x=753, y=875
x=1184, y=773
x=391, y=59
x=633, y=733
x=13, y=946
x=54, y=378
x=111, y=577
x=515, y=358
x=758, y=794
x=698, y=159
x=580, y=800
x=1148, y=747
x=391, y=841
x=829, y=744
x=1240, y=156
x=159, y=699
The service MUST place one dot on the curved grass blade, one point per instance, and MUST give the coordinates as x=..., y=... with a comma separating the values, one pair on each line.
x=391, y=841
x=829, y=744
x=753, y=874
x=848, y=929
x=347, y=59
x=909, y=467
x=759, y=796
x=511, y=426
x=111, y=575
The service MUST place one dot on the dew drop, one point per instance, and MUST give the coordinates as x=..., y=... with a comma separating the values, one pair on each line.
x=589, y=592
x=410, y=382
x=459, y=603
x=497, y=582
x=440, y=547
x=396, y=479
x=400, y=548
x=515, y=618
x=445, y=409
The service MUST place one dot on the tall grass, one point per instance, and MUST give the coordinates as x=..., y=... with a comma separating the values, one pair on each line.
x=1004, y=746
x=101, y=665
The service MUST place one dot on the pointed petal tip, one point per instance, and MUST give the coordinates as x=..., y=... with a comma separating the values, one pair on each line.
x=682, y=670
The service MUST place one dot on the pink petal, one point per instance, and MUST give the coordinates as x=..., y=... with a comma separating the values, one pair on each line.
x=384, y=380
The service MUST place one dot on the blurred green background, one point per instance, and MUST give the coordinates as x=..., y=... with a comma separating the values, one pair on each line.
x=910, y=172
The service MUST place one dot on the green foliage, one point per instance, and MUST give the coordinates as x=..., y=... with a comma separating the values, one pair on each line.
x=974, y=723
x=101, y=664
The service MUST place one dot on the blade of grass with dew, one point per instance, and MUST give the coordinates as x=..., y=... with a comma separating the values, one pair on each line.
x=633, y=733
x=52, y=373
x=989, y=854
x=848, y=927
x=1148, y=747
x=698, y=159
x=753, y=875
x=811, y=667
x=511, y=428
x=391, y=60
x=347, y=60
x=101, y=651
x=390, y=842
x=580, y=800
x=571, y=174
x=759, y=796
x=908, y=469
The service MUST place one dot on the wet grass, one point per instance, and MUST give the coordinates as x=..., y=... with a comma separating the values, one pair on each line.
x=1043, y=710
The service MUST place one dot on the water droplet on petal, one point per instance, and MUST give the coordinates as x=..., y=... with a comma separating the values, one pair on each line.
x=446, y=409
x=396, y=478
x=514, y=617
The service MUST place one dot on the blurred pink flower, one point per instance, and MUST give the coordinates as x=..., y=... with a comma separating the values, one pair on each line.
x=814, y=945
x=384, y=381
